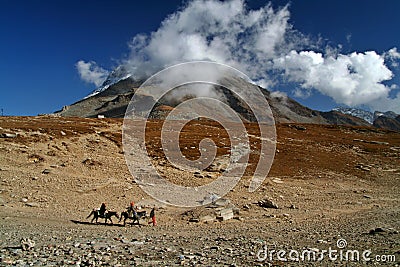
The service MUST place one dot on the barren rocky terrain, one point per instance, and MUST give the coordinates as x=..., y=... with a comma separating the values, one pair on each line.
x=327, y=184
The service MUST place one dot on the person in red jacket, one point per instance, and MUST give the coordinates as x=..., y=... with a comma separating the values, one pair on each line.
x=153, y=217
x=131, y=209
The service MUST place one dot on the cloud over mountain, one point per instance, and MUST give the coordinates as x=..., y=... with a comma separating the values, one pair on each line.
x=90, y=72
x=225, y=32
x=352, y=79
x=263, y=44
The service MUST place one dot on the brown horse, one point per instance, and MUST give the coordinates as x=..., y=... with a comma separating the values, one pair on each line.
x=107, y=215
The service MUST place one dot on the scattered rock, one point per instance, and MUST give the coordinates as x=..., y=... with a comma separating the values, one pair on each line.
x=46, y=171
x=300, y=128
x=51, y=153
x=246, y=207
x=225, y=214
x=59, y=243
x=32, y=204
x=379, y=143
x=198, y=175
x=27, y=244
x=222, y=202
x=266, y=203
x=8, y=135
x=207, y=218
x=377, y=231
x=7, y=260
x=221, y=209
x=363, y=167
x=238, y=218
x=35, y=158
x=371, y=142
x=91, y=162
x=277, y=180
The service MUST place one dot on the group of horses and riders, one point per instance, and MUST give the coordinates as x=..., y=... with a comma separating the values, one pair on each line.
x=131, y=213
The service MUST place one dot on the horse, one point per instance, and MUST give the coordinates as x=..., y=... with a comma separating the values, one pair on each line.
x=107, y=215
x=135, y=217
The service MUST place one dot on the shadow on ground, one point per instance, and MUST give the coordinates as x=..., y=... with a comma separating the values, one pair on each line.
x=99, y=223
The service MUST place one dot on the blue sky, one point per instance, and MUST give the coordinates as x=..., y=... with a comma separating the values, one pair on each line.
x=42, y=41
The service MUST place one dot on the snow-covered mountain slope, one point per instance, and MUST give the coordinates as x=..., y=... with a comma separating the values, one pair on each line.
x=387, y=120
x=112, y=98
x=118, y=74
x=359, y=113
x=388, y=114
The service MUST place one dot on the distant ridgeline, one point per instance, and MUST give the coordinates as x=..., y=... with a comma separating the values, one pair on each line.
x=112, y=98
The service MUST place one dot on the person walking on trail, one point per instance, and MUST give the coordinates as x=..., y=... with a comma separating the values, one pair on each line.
x=153, y=217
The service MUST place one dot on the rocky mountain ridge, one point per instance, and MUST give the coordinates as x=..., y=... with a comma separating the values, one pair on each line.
x=113, y=97
x=387, y=120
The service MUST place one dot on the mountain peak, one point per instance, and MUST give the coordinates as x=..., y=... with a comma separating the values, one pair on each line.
x=359, y=113
x=112, y=98
x=118, y=74
x=388, y=120
x=388, y=114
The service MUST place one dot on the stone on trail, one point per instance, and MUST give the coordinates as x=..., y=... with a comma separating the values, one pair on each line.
x=8, y=135
x=266, y=203
x=222, y=202
x=225, y=214
x=27, y=243
x=377, y=230
x=207, y=218
x=32, y=204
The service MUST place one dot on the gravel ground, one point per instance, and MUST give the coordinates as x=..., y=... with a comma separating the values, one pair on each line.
x=336, y=188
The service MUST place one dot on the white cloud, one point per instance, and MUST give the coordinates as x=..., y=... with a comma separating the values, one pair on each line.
x=393, y=56
x=279, y=95
x=222, y=31
x=91, y=73
x=353, y=79
x=264, y=83
x=302, y=93
x=263, y=44
x=386, y=104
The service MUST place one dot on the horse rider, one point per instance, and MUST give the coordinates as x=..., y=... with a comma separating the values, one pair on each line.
x=102, y=210
x=131, y=210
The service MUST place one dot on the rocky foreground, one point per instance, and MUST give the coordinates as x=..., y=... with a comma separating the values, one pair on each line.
x=335, y=192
